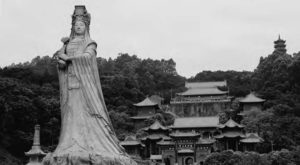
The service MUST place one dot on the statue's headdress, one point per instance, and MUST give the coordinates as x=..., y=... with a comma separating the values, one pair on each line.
x=80, y=13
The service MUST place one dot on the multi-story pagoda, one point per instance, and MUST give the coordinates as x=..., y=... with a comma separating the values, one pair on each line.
x=201, y=99
x=231, y=134
x=145, y=110
x=280, y=46
x=251, y=102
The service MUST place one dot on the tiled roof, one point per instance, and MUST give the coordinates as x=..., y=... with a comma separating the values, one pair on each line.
x=155, y=157
x=184, y=134
x=146, y=102
x=155, y=137
x=204, y=88
x=156, y=99
x=164, y=142
x=130, y=141
x=251, y=98
x=252, y=138
x=196, y=122
x=205, y=84
x=231, y=124
x=232, y=134
x=156, y=126
x=140, y=117
x=202, y=91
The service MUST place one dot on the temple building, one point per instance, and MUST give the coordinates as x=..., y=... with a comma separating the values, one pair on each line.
x=251, y=102
x=250, y=142
x=201, y=99
x=192, y=140
x=145, y=110
x=279, y=45
x=231, y=134
x=156, y=132
x=133, y=147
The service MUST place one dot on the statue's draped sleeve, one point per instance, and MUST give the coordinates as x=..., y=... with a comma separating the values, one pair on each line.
x=85, y=67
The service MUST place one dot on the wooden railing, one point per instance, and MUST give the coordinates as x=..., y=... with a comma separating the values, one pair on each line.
x=178, y=100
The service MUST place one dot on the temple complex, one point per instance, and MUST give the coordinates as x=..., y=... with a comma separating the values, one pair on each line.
x=201, y=99
x=196, y=131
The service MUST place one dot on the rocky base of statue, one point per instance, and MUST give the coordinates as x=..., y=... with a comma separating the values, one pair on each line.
x=81, y=158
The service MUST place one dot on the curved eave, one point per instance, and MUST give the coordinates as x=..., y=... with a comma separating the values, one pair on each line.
x=225, y=126
x=251, y=141
x=229, y=136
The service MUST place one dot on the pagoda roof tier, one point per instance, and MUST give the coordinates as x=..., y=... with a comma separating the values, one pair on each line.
x=231, y=124
x=184, y=134
x=140, y=117
x=203, y=92
x=156, y=157
x=279, y=40
x=251, y=98
x=35, y=151
x=231, y=134
x=165, y=142
x=252, y=138
x=155, y=137
x=196, y=122
x=131, y=141
x=156, y=126
x=147, y=102
x=157, y=99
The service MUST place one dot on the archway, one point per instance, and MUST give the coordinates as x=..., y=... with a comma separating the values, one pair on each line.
x=189, y=161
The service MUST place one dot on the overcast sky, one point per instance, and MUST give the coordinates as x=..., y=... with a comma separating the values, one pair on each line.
x=197, y=34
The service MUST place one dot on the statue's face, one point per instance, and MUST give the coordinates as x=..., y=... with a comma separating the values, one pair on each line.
x=79, y=27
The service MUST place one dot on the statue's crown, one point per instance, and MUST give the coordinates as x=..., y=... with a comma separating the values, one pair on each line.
x=81, y=14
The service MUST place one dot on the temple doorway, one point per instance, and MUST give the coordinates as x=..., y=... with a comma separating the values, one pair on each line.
x=167, y=161
x=189, y=161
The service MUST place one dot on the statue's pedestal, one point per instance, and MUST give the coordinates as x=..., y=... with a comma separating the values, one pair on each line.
x=84, y=158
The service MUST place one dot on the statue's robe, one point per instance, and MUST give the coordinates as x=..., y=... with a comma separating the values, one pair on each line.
x=87, y=136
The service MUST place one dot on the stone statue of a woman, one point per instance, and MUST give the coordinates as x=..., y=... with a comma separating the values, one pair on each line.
x=87, y=136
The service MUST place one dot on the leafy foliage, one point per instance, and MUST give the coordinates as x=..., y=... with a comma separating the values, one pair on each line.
x=29, y=94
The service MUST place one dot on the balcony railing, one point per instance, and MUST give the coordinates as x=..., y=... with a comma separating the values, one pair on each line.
x=178, y=100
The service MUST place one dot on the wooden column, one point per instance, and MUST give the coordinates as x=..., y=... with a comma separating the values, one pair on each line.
x=176, y=153
x=195, y=156
x=226, y=148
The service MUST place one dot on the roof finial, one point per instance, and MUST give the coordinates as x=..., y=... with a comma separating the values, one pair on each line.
x=279, y=37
